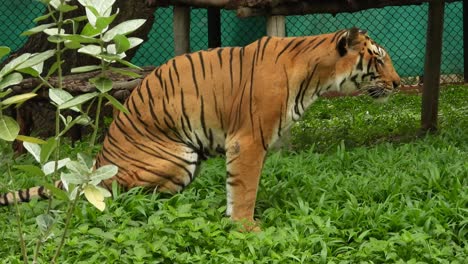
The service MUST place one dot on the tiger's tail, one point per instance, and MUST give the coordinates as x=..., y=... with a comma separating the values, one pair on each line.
x=25, y=195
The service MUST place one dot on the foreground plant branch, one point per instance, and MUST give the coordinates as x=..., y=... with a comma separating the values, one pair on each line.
x=79, y=83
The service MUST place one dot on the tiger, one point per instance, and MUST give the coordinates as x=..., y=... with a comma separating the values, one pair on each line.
x=232, y=101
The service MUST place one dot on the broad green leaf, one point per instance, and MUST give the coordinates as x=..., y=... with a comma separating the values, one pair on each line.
x=92, y=50
x=91, y=14
x=125, y=72
x=5, y=93
x=116, y=103
x=103, y=22
x=103, y=84
x=134, y=42
x=86, y=68
x=123, y=28
x=99, y=7
x=60, y=96
x=9, y=129
x=85, y=159
x=78, y=168
x=54, y=68
x=78, y=100
x=36, y=59
x=47, y=149
x=34, y=149
x=58, y=193
x=83, y=120
x=16, y=99
x=32, y=71
x=30, y=139
x=56, y=39
x=72, y=44
x=4, y=51
x=44, y=17
x=95, y=197
x=11, y=66
x=49, y=167
x=104, y=173
x=54, y=31
x=55, y=3
x=37, y=29
x=128, y=64
x=73, y=178
x=111, y=56
x=10, y=79
x=45, y=222
x=67, y=8
x=122, y=43
x=81, y=39
x=90, y=31
x=31, y=170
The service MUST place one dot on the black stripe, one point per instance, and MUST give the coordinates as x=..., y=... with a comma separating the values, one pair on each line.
x=231, y=75
x=264, y=46
x=319, y=43
x=202, y=117
x=175, y=69
x=184, y=112
x=220, y=58
x=41, y=192
x=241, y=56
x=336, y=35
x=171, y=80
x=280, y=120
x=200, y=55
x=284, y=49
x=264, y=144
x=297, y=45
x=194, y=77
x=251, y=95
x=24, y=195
x=359, y=66
x=257, y=49
x=5, y=200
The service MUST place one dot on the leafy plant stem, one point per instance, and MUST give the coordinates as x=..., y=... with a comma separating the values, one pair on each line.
x=96, y=123
x=18, y=219
x=71, y=208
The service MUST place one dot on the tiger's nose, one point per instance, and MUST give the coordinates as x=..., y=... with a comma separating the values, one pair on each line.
x=396, y=84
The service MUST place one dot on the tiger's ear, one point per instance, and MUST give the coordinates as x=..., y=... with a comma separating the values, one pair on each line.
x=349, y=40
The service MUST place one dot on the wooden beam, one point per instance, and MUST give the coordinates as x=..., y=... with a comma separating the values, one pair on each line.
x=431, y=81
x=214, y=27
x=291, y=7
x=181, y=17
x=465, y=40
x=276, y=26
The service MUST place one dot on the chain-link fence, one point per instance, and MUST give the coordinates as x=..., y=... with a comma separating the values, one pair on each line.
x=401, y=30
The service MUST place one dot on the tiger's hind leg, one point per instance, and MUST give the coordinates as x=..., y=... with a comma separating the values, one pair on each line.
x=167, y=167
x=244, y=163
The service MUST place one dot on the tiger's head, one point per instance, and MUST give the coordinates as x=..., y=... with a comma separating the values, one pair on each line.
x=364, y=65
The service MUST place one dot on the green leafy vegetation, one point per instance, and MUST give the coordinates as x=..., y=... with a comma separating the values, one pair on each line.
x=362, y=188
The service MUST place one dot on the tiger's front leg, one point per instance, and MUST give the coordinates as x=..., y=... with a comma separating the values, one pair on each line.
x=244, y=162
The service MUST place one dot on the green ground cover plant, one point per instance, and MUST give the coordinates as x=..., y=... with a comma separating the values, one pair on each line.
x=358, y=186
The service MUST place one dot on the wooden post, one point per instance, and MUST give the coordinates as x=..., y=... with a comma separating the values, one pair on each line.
x=276, y=26
x=465, y=40
x=431, y=82
x=214, y=27
x=181, y=17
